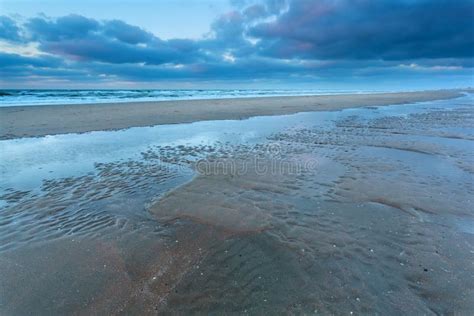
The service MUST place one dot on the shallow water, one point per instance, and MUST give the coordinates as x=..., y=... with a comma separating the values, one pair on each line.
x=376, y=217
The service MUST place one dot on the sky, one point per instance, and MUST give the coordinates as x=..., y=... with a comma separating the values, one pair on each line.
x=320, y=44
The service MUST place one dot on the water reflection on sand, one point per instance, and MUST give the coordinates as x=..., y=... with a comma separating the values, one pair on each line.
x=376, y=217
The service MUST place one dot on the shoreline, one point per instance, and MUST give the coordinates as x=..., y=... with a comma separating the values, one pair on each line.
x=42, y=120
x=106, y=100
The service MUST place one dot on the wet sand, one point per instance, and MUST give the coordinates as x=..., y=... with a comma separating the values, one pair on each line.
x=366, y=224
x=362, y=211
x=32, y=121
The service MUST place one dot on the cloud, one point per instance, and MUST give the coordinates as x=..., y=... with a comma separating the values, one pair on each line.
x=362, y=29
x=126, y=33
x=10, y=60
x=300, y=40
x=82, y=39
x=69, y=27
x=9, y=29
x=255, y=11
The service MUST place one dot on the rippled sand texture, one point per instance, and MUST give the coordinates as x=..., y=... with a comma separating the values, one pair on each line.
x=379, y=225
x=370, y=213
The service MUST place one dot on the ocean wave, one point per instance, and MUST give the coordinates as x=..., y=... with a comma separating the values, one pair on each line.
x=46, y=97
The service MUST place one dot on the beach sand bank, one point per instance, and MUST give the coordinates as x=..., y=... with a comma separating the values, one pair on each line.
x=359, y=211
x=33, y=121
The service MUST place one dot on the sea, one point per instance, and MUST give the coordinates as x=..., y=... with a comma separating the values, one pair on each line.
x=49, y=97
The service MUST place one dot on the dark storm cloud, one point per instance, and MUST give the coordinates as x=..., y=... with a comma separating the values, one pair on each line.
x=99, y=48
x=363, y=29
x=83, y=39
x=64, y=28
x=268, y=39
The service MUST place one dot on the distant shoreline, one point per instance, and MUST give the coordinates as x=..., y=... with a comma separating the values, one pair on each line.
x=41, y=120
x=41, y=97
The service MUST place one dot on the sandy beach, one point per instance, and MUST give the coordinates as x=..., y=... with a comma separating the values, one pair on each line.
x=351, y=206
x=33, y=121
